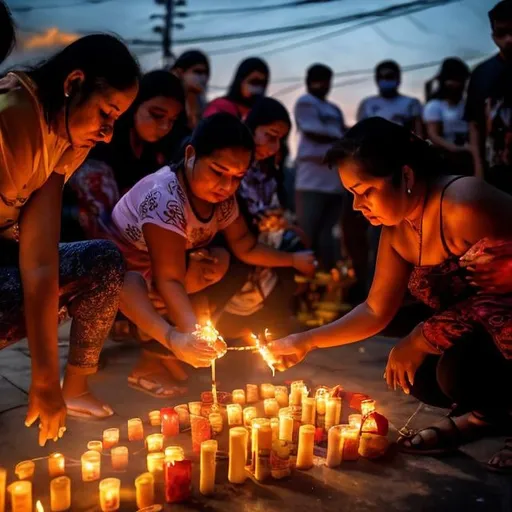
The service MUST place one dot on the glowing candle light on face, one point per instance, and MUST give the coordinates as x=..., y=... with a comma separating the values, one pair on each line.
x=56, y=465
x=60, y=494
x=109, y=494
x=21, y=496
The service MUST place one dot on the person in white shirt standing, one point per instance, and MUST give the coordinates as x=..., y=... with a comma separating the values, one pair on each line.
x=318, y=188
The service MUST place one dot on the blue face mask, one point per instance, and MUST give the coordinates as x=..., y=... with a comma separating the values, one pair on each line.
x=256, y=90
x=387, y=86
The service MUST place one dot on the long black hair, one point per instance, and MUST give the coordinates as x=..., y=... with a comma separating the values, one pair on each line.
x=192, y=58
x=452, y=68
x=103, y=58
x=7, y=31
x=266, y=111
x=383, y=148
x=245, y=68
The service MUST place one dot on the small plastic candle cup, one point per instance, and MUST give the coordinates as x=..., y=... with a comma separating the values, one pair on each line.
x=145, y=490
x=267, y=391
x=235, y=414
x=110, y=438
x=91, y=466
x=154, y=418
x=238, y=396
x=60, y=494
x=155, y=463
x=119, y=456
x=25, y=470
x=249, y=414
x=367, y=406
x=56, y=465
x=155, y=443
x=110, y=494
x=271, y=407
x=174, y=453
x=135, y=430
x=96, y=446
x=21, y=496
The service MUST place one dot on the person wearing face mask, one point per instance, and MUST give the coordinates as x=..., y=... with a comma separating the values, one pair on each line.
x=318, y=188
x=444, y=115
x=51, y=116
x=142, y=143
x=193, y=69
x=249, y=84
x=389, y=103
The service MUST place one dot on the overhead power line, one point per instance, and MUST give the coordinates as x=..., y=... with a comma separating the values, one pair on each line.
x=306, y=26
x=30, y=8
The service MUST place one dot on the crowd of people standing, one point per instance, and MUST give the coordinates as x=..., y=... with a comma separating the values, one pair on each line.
x=176, y=210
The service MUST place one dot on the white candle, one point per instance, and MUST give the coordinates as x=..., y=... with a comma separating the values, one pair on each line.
x=349, y=443
x=367, y=406
x=155, y=443
x=91, y=466
x=109, y=494
x=252, y=393
x=3, y=480
x=195, y=408
x=354, y=420
x=339, y=407
x=145, y=490
x=286, y=428
x=155, y=418
x=174, y=453
x=110, y=437
x=234, y=415
x=207, y=467
x=261, y=448
x=308, y=410
x=60, y=494
x=271, y=407
x=183, y=416
x=216, y=423
x=96, y=446
x=56, y=465
x=297, y=390
x=333, y=458
x=155, y=463
x=238, y=396
x=25, y=470
x=249, y=414
x=330, y=413
x=119, y=456
x=21, y=496
x=281, y=393
x=274, y=425
x=135, y=430
x=372, y=446
x=306, y=447
x=238, y=438
x=267, y=391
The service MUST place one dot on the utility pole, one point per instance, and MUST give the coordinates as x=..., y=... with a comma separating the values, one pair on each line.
x=168, y=26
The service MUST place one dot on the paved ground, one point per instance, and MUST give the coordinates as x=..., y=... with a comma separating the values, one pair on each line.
x=399, y=483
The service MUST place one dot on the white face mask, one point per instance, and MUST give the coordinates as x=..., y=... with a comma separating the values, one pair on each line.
x=196, y=80
x=255, y=90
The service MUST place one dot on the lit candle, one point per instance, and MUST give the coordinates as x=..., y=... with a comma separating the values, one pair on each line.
x=183, y=416
x=330, y=413
x=280, y=460
x=154, y=418
x=145, y=490
x=155, y=443
x=239, y=396
x=306, y=447
x=274, y=425
x=56, y=465
x=178, y=481
x=234, y=415
x=238, y=438
x=333, y=458
x=21, y=496
x=308, y=410
x=155, y=463
x=261, y=448
x=339, y=408
x=110, y=494
x=174, y=453
x=271, y=407
x=170, y=422
x=3, y=480
x=216, y=422
x=320, y=405
x=135, y=430
x=267, y=391
x=25, y=470
x=286, y=428
x=91, y=466
x=110, y=437
x=119, y=456
x=281, y=393
x=60, y=494
x=207, y=467
x=297, y=391
x=252, y=393
x=195, y=408
x=367, y=406
x=201, y=431
x=372, y=446
x=354, y=420
x=249, y=414
x=95, y=446
x=349, y=443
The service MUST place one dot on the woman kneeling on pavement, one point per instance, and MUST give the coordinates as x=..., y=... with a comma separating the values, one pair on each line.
x=164, y=226
x=444, y=237
x=50, y=117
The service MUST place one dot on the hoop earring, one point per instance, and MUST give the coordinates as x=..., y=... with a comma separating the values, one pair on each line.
x=408, y=191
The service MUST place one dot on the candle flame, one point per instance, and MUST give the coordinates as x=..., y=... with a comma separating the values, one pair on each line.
x=39, y=507
x=209, y=333
x=265, y=352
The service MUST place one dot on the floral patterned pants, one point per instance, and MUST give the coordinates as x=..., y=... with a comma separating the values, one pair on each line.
x=90, y=279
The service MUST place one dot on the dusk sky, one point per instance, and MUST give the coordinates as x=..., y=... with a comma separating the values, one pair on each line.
x=459, y=29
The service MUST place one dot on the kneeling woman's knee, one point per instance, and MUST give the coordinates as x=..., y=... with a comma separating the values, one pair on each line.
x=105, y=263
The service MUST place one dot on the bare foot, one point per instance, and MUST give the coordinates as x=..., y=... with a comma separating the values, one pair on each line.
x=502, y=460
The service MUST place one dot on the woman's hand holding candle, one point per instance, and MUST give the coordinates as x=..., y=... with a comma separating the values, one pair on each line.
x=290, y=350
x=304, y=262
x=192, y=349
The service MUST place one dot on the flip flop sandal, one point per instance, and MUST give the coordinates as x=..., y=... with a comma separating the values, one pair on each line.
x=153, y=388
x=502, y=469
x=82, y=413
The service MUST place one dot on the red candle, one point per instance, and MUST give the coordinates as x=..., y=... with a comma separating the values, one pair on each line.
x=170, y=422
x=201, y=431
x=178, y=481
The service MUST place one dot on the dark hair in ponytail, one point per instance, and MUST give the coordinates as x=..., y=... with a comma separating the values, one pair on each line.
x=382, y=148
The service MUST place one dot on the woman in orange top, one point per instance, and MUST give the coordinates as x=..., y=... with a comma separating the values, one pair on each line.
x=50, y=117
